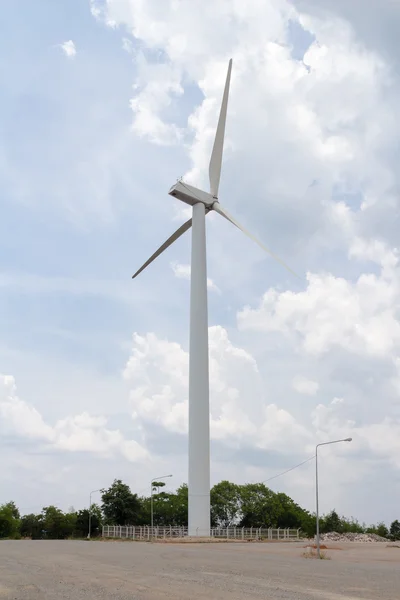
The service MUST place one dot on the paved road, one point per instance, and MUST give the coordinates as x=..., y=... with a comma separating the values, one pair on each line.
x=69, y=570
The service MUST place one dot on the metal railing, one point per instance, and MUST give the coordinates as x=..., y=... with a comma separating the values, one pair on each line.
x=234, y=533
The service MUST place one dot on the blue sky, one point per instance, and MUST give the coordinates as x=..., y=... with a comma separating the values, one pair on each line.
x=94, y=365
x=62, y=122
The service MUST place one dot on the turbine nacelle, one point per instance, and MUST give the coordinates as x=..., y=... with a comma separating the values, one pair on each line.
x=190, y=194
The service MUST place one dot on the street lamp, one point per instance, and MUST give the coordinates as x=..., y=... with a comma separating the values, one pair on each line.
x=316, y=484
x=151, y=497
x=90, y=511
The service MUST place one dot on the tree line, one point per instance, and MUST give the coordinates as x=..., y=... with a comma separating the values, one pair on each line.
x=248, y=505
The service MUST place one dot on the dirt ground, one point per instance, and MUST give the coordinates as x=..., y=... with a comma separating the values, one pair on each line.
x=61, y=570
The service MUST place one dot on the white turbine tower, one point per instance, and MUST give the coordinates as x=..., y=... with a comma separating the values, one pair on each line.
x=199, y=411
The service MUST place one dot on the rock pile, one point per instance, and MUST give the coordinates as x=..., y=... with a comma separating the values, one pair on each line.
x=352, y=537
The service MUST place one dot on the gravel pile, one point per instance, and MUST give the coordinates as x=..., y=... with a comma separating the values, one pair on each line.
x=352, y=537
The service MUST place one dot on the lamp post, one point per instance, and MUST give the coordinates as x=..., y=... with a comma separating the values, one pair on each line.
x=316, y=485
x=151, y=498
x=90, y=512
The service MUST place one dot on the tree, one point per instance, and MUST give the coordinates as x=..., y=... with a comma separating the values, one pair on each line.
x=379, y=529
x=225, y=504
x=157, y=484
x=168, y=508
x=331, y=522
x=179, y=506
x=395, y=530
x=255, y=505
x=163, y=509
x=352, y=525
x=31, y=526
x=14, y=509
x=9, y=520
x=289, y=514
x=382, y=530
x=250, y=505
x=308, y=523
x=259, y=507
x=82, y=522
x=97, y=518
x=56, y=524
x=119, y=505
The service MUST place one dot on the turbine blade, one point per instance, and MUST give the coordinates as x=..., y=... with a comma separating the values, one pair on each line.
x=224, y=213
x=216, y=156
x=165, y=245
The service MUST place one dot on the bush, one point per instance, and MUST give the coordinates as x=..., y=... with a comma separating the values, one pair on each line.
x=379, y=529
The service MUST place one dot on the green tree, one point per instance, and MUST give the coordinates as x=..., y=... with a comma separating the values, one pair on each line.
x=56, y=524
x=382, y=530
x=289, y=514
x=179, y=505
x=225, y=504
x=9, y=520
x=308, y=523
x=82, y=522
x=163, y=509
x=119, y=505
x=259, y=507
x=351, y=525
x=331, y=522
x=98, y=518
x=168, y=508
x=250, y=505
x=395, y=530
x=14, y=509
x=31, y=526
x=156, y=485
x=379, y=529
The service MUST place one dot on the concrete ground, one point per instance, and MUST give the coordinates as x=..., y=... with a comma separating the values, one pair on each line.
x=61, y=570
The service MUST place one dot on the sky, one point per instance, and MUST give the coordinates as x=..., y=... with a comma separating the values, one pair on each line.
x=104, y=104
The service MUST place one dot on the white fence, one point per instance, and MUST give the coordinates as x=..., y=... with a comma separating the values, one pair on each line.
x=234, y=533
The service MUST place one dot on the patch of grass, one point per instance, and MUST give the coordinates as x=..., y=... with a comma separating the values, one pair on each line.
x=312, y=553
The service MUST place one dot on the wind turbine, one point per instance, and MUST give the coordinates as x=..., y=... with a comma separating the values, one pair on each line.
x=199, y=411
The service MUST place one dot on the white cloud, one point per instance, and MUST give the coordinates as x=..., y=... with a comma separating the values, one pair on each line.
x=17, y=416
x=244, y=418
x=273, y=96
x=381, y=438
x=377, y=252
x=156, y=86
x=69, y=49
x=359, y=317
x=79, y=433
x=98, y=8
x=240, y=414
x=302, y=385
x=183, y=272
